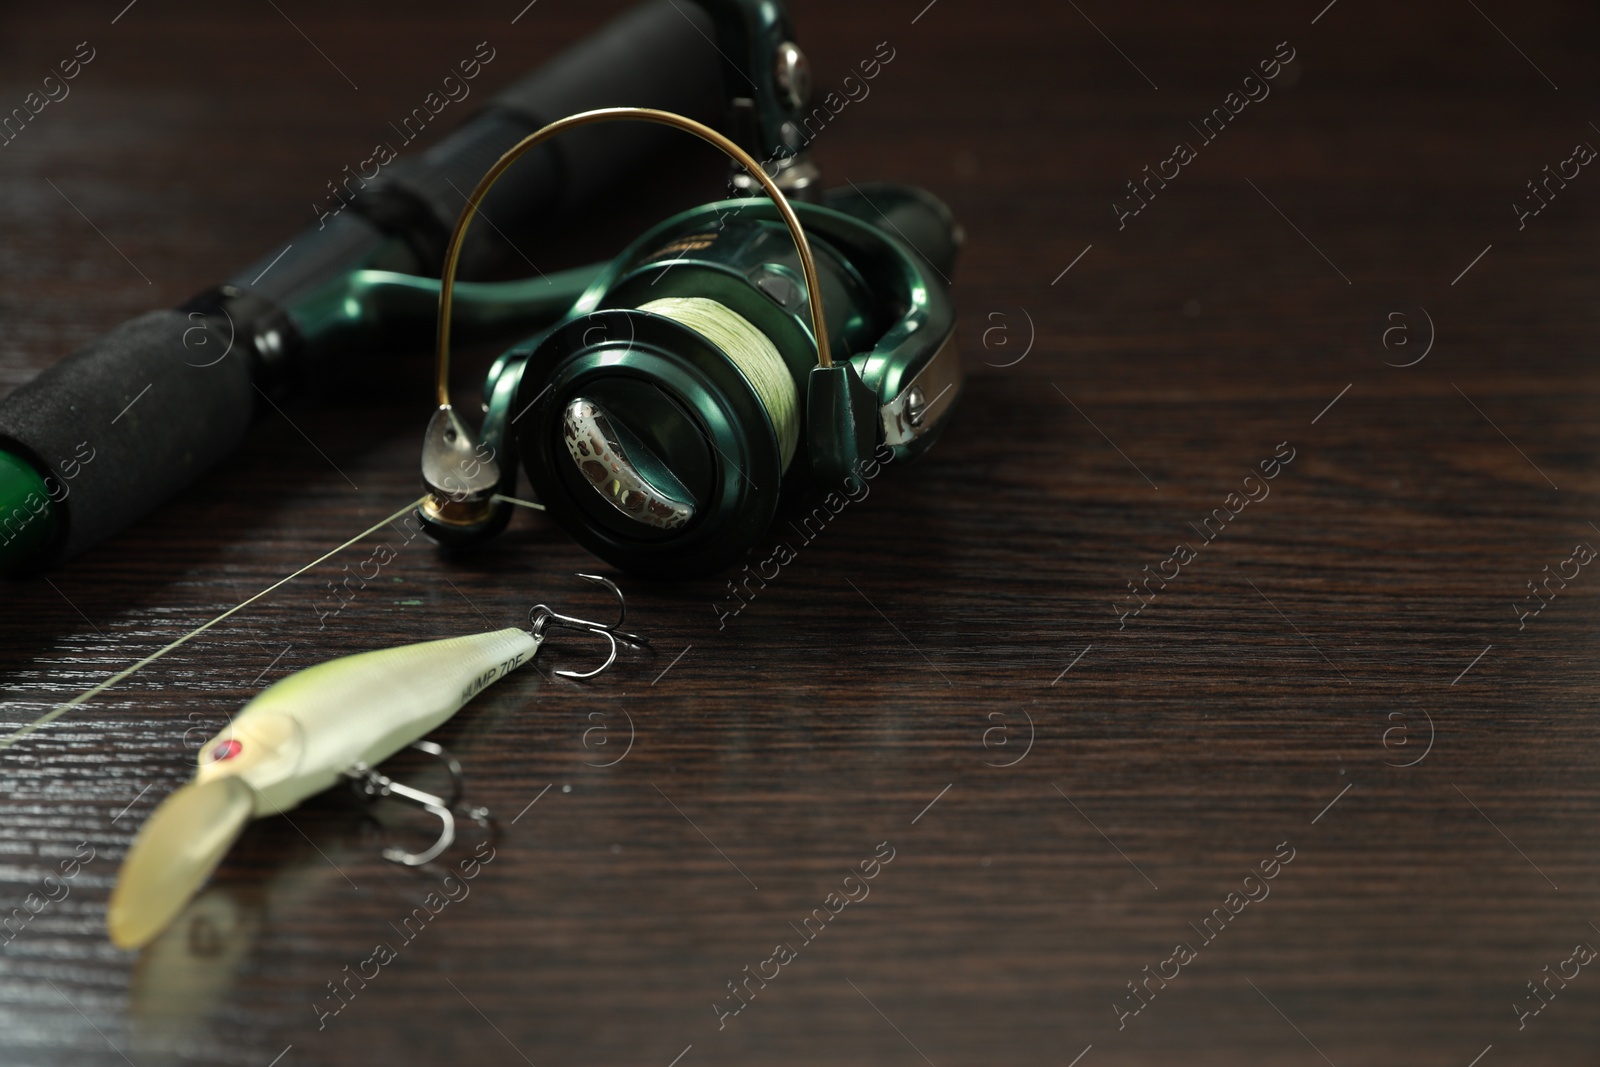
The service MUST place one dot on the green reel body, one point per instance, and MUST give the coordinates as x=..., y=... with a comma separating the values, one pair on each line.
x=660, y=449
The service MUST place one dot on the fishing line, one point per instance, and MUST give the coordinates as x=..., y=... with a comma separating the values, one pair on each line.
x=89, y=694
x=751, y=351
x=519, y=503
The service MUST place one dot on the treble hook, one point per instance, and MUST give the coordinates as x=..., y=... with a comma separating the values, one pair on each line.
x=374, y=784
x=542, y=617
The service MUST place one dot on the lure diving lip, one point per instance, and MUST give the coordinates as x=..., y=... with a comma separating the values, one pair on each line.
x=300, y=736
x=176, y=851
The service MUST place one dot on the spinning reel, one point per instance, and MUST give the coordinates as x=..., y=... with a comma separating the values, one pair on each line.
x=692, y=382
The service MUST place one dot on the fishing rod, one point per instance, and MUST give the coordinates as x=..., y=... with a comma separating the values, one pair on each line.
x=109, y=433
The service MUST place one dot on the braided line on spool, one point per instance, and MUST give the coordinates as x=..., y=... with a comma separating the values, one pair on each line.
x=748, y=349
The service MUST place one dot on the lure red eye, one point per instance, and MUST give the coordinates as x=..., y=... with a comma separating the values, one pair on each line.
x=226, y=750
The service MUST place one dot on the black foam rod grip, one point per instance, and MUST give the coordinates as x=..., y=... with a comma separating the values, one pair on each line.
x=136, y=415
x=658, y=55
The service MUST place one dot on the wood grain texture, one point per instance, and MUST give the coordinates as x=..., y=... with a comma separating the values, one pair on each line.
x=899, y=660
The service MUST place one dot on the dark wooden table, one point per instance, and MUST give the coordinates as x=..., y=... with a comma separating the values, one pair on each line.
x=953, y=673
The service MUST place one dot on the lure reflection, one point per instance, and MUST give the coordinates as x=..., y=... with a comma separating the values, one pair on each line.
x=302, y=734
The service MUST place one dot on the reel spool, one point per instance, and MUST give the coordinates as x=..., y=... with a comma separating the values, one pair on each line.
x=692, y=386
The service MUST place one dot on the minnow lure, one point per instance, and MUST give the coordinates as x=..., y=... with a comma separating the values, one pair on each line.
x=302, y=734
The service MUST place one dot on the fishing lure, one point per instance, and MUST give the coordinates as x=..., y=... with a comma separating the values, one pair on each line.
x=304, y=733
